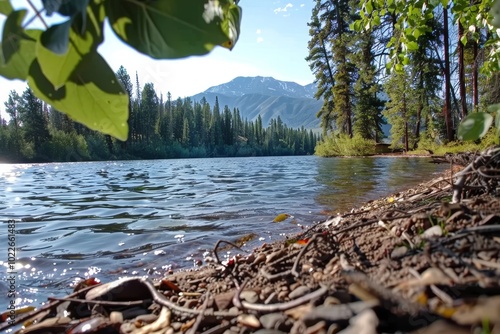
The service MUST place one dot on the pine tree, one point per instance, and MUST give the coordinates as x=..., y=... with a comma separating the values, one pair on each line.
x=320, y=60
x=368, y=107
x=12, y=107
x=34, y=121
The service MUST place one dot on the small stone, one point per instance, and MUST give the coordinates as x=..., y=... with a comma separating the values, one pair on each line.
x=485, y=255
x=116, y=317
x=433, y=232
x=274, y=256
x=299, y=292
x=176, y=325
x=249, y=296
x=259, y=259
x=399, y=252
x=191, y=303
x=248, y=320
x=250, y=258
x=331, y=301
x=147, y=318
x=272, y=320
x=282, y=295
x=317, y=328
x=317, y=275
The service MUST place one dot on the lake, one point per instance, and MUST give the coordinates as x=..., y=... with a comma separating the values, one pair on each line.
x=119, y=218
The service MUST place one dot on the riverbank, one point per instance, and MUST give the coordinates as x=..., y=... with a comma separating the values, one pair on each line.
x=411, y=261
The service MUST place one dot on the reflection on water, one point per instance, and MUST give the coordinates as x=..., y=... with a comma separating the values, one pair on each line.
x=147, y=217
x=352, y=181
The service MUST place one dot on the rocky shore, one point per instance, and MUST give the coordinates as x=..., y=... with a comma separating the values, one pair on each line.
x=426, y=260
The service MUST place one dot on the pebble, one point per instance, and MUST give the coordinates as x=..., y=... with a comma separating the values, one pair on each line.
x=116, y=317
x=259, y=259
x=433, y=232
x=248, y=320
x=317, y=275
x=399, y=252
x=317, y=328
x=176, y=325
x=191, y=303
x=331, y=301
x=282, y=295
x=249, y=296
x=147, y=318
x=273, y=256
x=299, y=292
x=250, y=258
x=272, y=320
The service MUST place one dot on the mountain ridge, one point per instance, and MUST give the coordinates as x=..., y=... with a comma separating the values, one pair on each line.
x=268, y=97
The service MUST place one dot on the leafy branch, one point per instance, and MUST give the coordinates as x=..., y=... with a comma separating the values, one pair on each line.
x=63, y=68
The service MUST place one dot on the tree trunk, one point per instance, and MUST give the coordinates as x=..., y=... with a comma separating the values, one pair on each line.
x=461, y=71
x=475, y=90
x=447, y=83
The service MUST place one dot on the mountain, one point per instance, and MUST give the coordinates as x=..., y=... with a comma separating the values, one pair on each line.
x=269, y=98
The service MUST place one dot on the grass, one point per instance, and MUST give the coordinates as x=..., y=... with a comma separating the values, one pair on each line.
x=336, y=145
x=341, y=145
x=426, y=145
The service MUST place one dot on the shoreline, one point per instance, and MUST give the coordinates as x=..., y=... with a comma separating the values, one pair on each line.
x=394, y=261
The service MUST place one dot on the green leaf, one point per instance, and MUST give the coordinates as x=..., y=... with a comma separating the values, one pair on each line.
x=412, y=46
x=368, y=7
x=474, y=126
x=495, y=13
x=56, y=38
x=497, y=121
x=13, y=34
x=66, y=8
x=5, y=7
x=18, y=65
x=93, y=95
x=175, y=29
x=417, y=33
x=494, y=108
x=463, y=40
x=57, y=68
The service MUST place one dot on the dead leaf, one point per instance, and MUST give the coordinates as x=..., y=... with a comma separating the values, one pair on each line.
x=281, y=217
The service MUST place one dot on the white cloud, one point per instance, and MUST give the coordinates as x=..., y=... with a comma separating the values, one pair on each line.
x=283, y=9
x=260, y=39
x=258, y=31
x=302, y=5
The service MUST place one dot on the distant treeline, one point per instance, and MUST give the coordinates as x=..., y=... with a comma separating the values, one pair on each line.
x=158, y=129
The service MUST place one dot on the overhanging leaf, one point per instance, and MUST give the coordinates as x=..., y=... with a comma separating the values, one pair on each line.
x=175, y=29
x=474, y=126
x=58, y=68
x=5, y=7
x=66, y=8
x=495, y=13
x=18, y=65
x=92, y=96
x=56, y=38
x=13, y=33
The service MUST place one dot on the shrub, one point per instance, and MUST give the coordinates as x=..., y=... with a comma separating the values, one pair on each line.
x=342, y=145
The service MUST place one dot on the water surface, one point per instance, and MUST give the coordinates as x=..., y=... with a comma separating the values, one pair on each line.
x=113, y=219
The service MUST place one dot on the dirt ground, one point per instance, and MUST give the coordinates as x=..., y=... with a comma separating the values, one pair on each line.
x=426, y=260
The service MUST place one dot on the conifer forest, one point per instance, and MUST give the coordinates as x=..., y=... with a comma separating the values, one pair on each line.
x=159, y=128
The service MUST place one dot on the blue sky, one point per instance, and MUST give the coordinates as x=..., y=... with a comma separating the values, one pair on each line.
x=273, y=42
